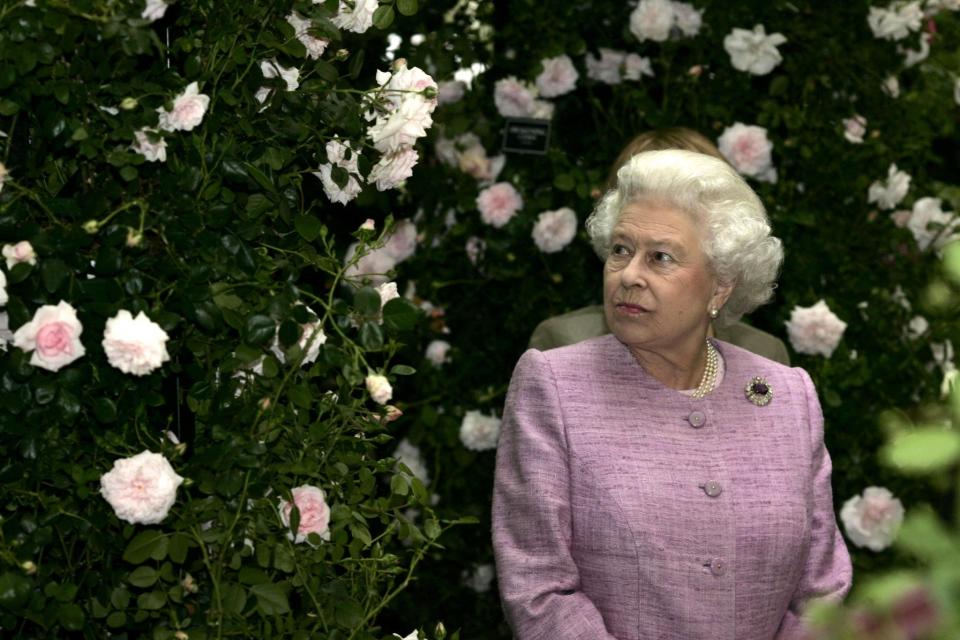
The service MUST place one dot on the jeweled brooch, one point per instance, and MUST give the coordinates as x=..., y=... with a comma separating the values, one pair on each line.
x=759, y=392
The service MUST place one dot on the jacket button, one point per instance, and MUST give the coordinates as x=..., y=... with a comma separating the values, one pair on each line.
x=718, y=567
x=697, y=419
x=712, y=488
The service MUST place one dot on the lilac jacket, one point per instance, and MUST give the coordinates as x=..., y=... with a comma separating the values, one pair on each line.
x=624, y=509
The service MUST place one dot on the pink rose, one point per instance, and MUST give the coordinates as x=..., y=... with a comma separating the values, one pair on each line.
x=403, y=241
x=499, y=203
x=606, y=68
x=815, y=330
x=142, y=488
x=379, y=388
x=373, y=266
x=747, y=148
x=188, y=110
x=635, y=67
x=438, y=352
x=513, y=98
x=403, y=127
x=53, y=335
x=558, y=77
x=145, y=146
x=134, y=345
x=554, y=230
x=451, y=91
x=19, y=252
x=872, y=520
x=651, y=20
x=393, y=169
x=314, y=513
x=854, y=128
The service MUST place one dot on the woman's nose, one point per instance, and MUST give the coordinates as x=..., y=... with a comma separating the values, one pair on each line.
x=635, y=273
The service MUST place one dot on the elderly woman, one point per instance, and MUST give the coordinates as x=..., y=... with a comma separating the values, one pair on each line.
x=655, y=483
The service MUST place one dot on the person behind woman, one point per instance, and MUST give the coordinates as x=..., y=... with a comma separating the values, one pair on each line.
x=588, y=322
x=657, y=483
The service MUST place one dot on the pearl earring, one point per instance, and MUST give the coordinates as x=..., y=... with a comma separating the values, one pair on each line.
x=713, y=314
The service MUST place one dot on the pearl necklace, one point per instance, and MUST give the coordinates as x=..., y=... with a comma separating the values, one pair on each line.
x=709, y=379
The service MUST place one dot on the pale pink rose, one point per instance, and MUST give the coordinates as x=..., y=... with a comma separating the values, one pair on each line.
x=558, y=77
x=388, y=291
x=479, y=432
x=142, y=488
x=901, y=218
x=652, y=20
x=854, y=128
x=393, y=168
x=188, y=110
x=53, y=335
x=342, y=155
x=475, y=162
x=815, y=330
x=513, y=98
x=356, y=16
x=446, y=150
x=3, y=300
x=873, y=519
x=373, y=266
x=931, y=225
x=402, y=242
x=635, y=67
x=475, y=248
x=438, y=352
x=301, y=27
x=480, y=578
x=272, y=69
x=895, y=22
x=401, y=128
x=404, y=83
x=154, y=10
x=891, y=86
x=754, y=51
x=20, y=252
x=368, y=225
x=686, y=18
x=152, y=151
x=311, y=339
x=554, y=230
x=498, y=203
x=408, y=454
x=379, y=388
x=607, y=67
x=134, y=345
x=747, y=148
x=888, y=195
x=314, y=513
x=451, y=91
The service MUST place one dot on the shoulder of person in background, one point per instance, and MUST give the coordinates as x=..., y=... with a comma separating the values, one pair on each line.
x=588, y=322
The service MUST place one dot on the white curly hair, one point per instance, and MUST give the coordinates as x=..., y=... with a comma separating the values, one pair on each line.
x=734, y=224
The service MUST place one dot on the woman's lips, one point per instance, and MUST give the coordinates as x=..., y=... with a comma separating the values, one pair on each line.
x=631, y=309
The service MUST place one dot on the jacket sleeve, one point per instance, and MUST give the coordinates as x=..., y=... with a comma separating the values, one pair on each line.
x=537, y=576
x=827, y=572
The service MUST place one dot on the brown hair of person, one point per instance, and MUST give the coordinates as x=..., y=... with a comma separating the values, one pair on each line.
x=661, y=140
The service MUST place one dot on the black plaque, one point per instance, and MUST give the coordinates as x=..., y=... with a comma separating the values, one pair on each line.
x=526, y=135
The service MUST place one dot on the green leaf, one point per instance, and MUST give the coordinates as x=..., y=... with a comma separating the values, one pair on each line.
x=129, y=173
x=14, y=590
x=367, y=301
x=143, y=577
x=179, y=545
x=260, y=177
x=117, y=619
x=234, y=597
x=923, y=451
x=53, y=272
x=259, y=329
x=402, y=370
x=271, y=599
x=19, y=272
x=308, y=227
x=407, y=7
x=925, y=536
x=432, y=528
x=151, y=601
x=400, y=314
x=383, y=16
x=951, y=260
x=104, y=410
x=564, y=182
x=348, y=612
x=71, y=617
x=146, y=544
x=398, y=485
x=8, y=107
x=371, y=336
x=79, y=134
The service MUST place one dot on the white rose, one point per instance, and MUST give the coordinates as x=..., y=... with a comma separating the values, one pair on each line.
x=917, y=327
x=53, y=335
x=379, y=388
x=134, y=345
x=754, y=51
x=20, y=252
x=943, y=355
x=141, y=489
x=357, y=18
x=854, y=128
x=554, y=230
x=413, y=635
x=301, y=27
x=438, y=352
x=475, y=247
x=815, y=330
x=513, y=98
x=409, y=454
x=891, y=86
x=152, y=151
x=373, y=266
x=400, y=129
x=558, y=77
x=340, y=154
x=404, y=83
x=651, y=20
x=606, y=68
x=393, y=168
x=154, y=10
x=273, y=69
x=480, y=578
x=541, y=110
x=402, y=242
x=3, y=171
x=450, y=91
x=3, y=293
x=388, y=291
x=926, y=212
x=873, y=519
x=896, y=21
x=914, y=57
x=747, y=148
x=479, y=432
x=311, y=339
x=188, y=110
x=635, y=67
x=686, y=18
x=888, y=195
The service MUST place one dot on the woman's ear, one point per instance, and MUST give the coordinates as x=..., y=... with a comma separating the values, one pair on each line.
x=721, y=294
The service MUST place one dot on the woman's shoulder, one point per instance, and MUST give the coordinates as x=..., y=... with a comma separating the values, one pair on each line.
x=742, y=363
x=585, y=354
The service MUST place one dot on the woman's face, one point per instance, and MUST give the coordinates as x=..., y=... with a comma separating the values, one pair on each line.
x=658, y=287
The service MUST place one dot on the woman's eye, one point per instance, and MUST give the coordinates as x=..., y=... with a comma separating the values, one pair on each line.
x=619, y=250
x=662, y=258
